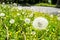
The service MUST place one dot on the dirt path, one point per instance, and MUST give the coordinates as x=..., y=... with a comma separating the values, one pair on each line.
x=49, y=10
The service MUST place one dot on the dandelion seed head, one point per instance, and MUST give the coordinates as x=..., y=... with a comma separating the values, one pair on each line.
x=12, y=21
x=3, y=3
x=40, y=23
x=2, y=14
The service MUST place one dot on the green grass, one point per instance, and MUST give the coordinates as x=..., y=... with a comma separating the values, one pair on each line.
x=20, y=30
x=45, y=4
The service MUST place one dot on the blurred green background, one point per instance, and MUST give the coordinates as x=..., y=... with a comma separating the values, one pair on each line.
x=33, y=2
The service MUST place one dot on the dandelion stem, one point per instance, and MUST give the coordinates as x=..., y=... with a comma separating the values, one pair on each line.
x=6, y=29
x=24, y=36
x=7, y=32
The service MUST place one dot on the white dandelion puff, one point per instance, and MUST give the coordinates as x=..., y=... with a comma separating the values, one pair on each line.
x=2, y=14
x=12, y=21
x=27, y=20
x=40, y=23
x=3, y=3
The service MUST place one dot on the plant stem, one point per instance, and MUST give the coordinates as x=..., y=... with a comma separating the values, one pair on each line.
x=24, y=36
x=7, y=32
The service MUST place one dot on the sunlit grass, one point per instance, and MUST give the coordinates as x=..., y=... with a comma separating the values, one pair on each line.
x=45, y=4
x=18, y=29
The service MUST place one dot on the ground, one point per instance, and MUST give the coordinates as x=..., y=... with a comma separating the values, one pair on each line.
x=50, y=10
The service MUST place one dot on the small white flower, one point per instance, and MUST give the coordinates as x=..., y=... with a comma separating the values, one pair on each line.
x=49, y=1
x=18, y=14
x=58, y=18
x=40, y=23
x=33, y=33
x=27, y=20
x=3, y=3
x=14, y=4
x=2, y=14
x=12, y=21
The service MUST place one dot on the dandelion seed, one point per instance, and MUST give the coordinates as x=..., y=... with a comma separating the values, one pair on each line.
x=2, y=14
x=27, y=20
x=40, y=23
x=12, y=21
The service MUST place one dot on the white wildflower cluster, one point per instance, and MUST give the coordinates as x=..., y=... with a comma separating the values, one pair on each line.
x=12, y=21
x=40, y=23
x=2, y=14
